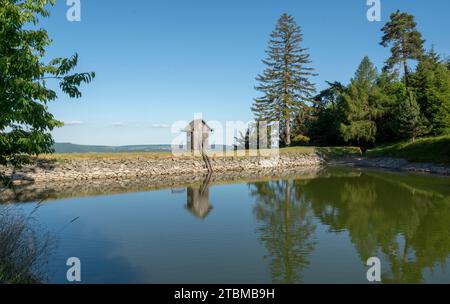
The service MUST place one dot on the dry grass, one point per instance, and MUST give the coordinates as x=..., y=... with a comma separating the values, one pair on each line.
x=124, y=155
x=327, y=151
x=23, y=249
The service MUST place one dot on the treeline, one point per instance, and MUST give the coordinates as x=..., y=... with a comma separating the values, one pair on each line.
x=408, y=98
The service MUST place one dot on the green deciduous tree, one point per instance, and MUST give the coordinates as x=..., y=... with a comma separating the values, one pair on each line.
x=285, y=81
x=361, y=108
x=406, y=42
x=25, y=122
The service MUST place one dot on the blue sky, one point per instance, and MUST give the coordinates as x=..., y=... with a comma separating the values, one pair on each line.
x=161, y=61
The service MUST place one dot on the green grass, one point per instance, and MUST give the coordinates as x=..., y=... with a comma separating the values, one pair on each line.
x=298, y=150
x=337, y=152
x=427, y=149
x=327, y=152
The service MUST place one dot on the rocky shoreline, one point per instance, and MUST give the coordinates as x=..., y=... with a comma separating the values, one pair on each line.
x=33, y=192
x=50, y=180
x=91, y=169
x=397, y=164
x=48, y=171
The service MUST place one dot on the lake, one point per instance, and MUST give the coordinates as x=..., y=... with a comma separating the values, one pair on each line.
x=313, y=228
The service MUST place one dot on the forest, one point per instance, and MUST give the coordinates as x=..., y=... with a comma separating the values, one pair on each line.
x=408, y=98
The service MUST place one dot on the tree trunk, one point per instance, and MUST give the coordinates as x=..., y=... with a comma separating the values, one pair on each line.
x=405, y=67
x=287, y=114
x=405, y=64
x=288, y=132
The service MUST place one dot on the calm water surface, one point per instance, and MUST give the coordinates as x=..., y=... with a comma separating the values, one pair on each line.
x=298, y=230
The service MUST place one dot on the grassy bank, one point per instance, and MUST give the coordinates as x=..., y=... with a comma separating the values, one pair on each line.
x=113, y=155
x=428, y=149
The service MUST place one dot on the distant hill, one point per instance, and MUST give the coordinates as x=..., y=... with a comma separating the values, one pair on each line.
x=72, y=148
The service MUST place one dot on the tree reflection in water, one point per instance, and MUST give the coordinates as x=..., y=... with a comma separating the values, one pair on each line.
x=285, y=227
x=402, y=219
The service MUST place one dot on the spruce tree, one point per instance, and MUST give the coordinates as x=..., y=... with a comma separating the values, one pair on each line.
x=392, y=93
x=360, y=103
x=285, y=82
x=410, y=122
x=431, y=83
x=406, y=42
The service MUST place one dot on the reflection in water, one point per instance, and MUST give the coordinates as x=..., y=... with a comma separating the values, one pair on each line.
x=285, y=228
x=410, y=226
x=319, y=227
x=391, y=216
x=198, y=199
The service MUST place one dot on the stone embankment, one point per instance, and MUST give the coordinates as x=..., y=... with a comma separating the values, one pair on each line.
x=34, y=192
x=44, y=170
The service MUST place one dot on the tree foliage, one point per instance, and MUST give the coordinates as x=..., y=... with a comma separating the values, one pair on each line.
x=410, y=122
x=431, y=84
x=376, y=108
x=285, y=82
x=25, y=122
x=323, y=126
x=405, y=40
x=360, y=106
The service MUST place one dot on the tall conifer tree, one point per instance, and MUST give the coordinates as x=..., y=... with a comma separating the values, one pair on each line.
x=410, y=122
x=361, y=108
x=285, y=82
x=405, y=40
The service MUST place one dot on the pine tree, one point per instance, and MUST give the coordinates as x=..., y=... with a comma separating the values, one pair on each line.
x=285, y=81
x=360, y=107
x=410, y=122
x=406, y=41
